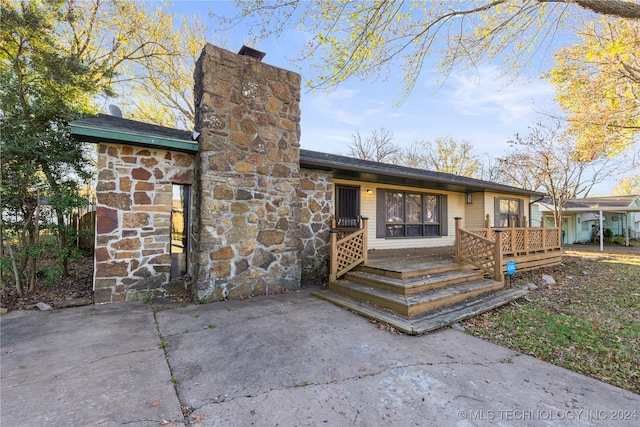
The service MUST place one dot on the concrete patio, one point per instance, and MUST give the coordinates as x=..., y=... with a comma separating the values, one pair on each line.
x=287, y=360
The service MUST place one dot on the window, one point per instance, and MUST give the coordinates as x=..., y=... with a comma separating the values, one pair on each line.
x=179, y=230
x=507, y=211
x=411, y=214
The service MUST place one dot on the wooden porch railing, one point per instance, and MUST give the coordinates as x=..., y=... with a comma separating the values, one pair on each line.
x=478, y=251
x=478, y=246
x=348, y=249
x=524, y=240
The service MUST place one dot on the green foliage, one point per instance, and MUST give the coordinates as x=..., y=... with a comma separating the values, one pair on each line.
x=627, y=186
x=597, y=81
x=42, y=87
x=620, y=241
x=383, y=39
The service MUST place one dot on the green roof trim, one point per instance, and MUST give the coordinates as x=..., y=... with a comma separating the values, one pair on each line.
x=97, y=135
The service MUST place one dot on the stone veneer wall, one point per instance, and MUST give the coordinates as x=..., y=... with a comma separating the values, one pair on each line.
x=247, y=169
x=316, y=209
x=133, y=213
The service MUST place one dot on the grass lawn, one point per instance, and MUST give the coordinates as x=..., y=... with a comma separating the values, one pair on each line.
x=589, y=321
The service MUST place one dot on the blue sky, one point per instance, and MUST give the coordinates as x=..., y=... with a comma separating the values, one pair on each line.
x=476, y=106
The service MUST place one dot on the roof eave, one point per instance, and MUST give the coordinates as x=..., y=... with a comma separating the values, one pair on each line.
x=343, y=172
x=97, y=135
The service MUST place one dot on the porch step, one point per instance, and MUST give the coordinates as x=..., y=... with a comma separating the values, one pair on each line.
x=431, y=320
x=401, y=269
x=416, y=304
x=432, y=279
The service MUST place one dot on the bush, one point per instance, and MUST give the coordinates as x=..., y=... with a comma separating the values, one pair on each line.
x=620, y=241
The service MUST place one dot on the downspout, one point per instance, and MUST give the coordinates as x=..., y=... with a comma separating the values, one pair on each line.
x=530, y=213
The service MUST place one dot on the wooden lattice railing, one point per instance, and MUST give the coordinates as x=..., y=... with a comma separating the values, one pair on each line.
x=478, y=251
x=478, y=246
x=524, y=240
x=348, y=249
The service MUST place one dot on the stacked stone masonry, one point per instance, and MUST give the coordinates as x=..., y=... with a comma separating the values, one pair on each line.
x=247, y=234
x=316, y=208
x=133, y=213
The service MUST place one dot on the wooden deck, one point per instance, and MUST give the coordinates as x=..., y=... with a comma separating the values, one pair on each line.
x=417, y=290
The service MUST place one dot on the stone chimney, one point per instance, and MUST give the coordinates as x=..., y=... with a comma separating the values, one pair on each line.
x=246, y=209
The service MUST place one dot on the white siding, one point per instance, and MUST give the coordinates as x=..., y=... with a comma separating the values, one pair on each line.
x=456, y=207
x=475, y=212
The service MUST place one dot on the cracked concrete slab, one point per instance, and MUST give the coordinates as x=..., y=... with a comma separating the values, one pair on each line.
x=294, y=360
x=287, y=360
x=94, y=365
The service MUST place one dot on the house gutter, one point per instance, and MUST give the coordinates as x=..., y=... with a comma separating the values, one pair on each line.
x=97, y=135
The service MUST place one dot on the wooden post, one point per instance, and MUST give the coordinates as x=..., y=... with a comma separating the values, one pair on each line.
x=457, y=250
x=487, y=222
x=513, y=235
x=333, y=255
x=365, y=239
x=524, y=222
x=525, y=239
x=497, y=257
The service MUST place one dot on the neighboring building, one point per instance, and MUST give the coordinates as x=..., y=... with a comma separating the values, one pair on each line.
x=581, y=218
x=244, y=211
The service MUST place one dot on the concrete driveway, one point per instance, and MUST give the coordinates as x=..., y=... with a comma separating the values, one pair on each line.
x=281, y=360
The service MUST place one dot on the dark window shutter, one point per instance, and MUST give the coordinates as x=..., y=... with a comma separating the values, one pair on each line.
x=496, y=211
x=520, y=212
x=381, y=219
x=444, y=215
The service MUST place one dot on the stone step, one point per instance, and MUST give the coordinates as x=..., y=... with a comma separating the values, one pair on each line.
x=416, y=304
x=405, y=270
x=416, y=284
x=431, y=320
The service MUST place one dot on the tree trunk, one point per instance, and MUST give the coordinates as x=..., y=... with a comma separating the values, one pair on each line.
x=617, y=8
x=16, y=273
x=63, y=241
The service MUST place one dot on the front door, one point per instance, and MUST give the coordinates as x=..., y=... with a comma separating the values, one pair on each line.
x=347, y=206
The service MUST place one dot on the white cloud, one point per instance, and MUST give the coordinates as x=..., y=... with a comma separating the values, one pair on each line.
x=485, y=94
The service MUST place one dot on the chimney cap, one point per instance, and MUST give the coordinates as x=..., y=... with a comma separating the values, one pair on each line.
x=251, y=52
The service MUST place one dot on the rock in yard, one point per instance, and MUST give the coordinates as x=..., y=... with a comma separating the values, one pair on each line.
x=42, y=306
x=531, y=286
x=548, y=280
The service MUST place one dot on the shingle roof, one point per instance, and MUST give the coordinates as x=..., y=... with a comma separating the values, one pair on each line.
x=105, y=121
x=629, y=203
x=105, y=128
x=365, y=170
